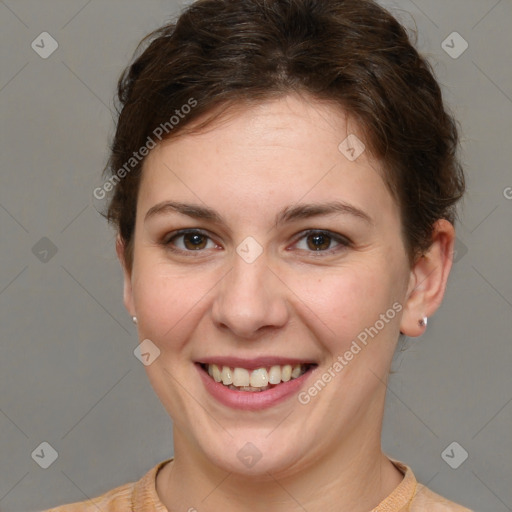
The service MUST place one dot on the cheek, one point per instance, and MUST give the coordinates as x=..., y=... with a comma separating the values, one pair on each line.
x=170, y=304
x=350, y=301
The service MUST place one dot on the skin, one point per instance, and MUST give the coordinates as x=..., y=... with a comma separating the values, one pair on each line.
x=291, y=301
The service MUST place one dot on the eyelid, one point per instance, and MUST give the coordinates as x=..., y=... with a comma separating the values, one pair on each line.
x=174, y=234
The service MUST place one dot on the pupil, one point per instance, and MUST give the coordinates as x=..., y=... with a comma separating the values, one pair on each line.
x=195, y=239
x=318, y=239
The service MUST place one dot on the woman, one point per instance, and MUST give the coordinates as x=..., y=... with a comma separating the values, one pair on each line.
x=285, y=180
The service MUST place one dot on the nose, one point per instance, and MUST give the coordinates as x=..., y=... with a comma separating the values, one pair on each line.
x=250, y=300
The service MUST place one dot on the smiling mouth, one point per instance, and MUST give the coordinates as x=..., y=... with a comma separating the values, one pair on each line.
x=257, y=380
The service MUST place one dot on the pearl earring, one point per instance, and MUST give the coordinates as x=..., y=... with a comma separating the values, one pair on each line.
x=423, y=322
x=134, y=319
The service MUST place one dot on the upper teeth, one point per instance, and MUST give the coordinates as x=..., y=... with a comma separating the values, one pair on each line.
x=258, y=378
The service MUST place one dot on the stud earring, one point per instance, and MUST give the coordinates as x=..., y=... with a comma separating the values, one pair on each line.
x=134, y=319
x=423, y=322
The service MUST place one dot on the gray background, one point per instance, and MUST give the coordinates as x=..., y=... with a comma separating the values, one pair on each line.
x=68, y=375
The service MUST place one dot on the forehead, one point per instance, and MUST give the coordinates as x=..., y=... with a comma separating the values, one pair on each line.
x=281, y=151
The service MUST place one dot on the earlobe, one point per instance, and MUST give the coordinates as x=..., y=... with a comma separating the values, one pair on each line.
x=427, y=282
x=127, y=286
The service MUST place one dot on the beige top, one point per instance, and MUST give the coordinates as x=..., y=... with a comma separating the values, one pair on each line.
x=141, y=496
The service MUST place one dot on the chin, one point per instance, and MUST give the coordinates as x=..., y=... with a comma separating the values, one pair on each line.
x=253, y=454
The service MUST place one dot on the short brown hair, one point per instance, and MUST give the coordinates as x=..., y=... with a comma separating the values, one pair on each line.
x=352, y=53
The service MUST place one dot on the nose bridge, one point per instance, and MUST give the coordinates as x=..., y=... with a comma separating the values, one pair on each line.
x=250, y=296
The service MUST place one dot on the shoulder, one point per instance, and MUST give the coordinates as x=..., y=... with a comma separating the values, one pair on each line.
x=140, y=495
x=412, y=496
x=425, y=499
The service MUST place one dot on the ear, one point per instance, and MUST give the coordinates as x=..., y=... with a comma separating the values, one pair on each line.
x=127, y=287
x=428, y=279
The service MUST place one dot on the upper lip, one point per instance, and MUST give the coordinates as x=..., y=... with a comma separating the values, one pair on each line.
x=253, y=363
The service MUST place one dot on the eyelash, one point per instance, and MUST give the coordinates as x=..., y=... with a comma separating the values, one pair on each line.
x=343, y=241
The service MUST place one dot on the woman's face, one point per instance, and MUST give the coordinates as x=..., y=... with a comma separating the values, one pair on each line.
x=265, y=279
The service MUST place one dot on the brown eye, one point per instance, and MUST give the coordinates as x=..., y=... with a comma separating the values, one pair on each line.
x=319, y=241
x=194, y=241
x=189, y=241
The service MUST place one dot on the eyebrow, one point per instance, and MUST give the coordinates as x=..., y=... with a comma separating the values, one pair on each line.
x=287, y=214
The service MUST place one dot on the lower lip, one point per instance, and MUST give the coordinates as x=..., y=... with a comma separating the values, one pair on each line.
x=252, y=400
